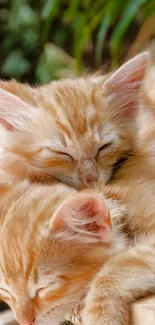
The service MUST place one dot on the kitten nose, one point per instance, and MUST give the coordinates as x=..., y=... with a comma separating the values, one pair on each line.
x=29, y=322
x=25, y=312
x=88, y=179
x=87, y=171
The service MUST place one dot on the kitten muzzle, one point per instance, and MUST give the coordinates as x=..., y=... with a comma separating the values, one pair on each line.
x=87, y=171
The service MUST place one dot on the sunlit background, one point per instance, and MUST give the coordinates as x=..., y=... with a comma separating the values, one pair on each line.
x=49, y=39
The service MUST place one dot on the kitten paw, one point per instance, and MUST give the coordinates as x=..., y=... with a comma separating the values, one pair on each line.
x=75, y=316
x=103, y=311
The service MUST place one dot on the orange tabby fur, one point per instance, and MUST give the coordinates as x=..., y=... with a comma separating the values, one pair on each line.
x=74, y=130
x=47, y=269
x=66, y=251
x=131, y=274
x=53, y=241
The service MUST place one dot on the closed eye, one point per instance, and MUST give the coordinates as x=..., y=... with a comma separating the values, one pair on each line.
x=40, y=291
x=61, y=154
x=4, y=293
x=50, y=287
x=102, y=150
x=106, y=145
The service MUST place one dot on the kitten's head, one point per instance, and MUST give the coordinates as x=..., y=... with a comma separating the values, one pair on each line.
x=73, y=130
x=53, y=241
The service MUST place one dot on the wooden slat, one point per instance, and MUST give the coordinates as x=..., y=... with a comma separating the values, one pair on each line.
x=7, y=318
x=143, y=312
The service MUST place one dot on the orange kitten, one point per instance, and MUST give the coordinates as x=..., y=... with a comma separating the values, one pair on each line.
x=53, y=241
x=74, y=130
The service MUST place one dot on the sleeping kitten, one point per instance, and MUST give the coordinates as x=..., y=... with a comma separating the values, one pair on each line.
x=53, y=241
x=129, y=275
x=47, y=270
x=73, y=130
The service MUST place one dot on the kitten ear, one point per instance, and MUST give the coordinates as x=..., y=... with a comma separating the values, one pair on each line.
x=123, y=86
x=14, y=113
x=85, y=215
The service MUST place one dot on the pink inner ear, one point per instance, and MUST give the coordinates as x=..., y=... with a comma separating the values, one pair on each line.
x=96, y=208
x=11, y=110
x=83, y=213
x=129, y=109
x=121, y=80
x=90, y=208
x=123, y=86
x=130, y=73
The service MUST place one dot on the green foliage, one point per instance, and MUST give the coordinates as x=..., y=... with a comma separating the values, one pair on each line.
x=46, y=39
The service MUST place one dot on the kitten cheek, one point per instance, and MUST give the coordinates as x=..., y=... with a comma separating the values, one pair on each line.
x=104, y=174
x=106, y=162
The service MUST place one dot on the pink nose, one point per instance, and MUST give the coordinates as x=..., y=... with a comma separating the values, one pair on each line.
x=90, y=179
x=29, y=323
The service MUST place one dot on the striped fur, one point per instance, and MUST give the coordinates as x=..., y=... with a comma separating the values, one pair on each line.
x=74, y=130
x=53, y=244
x=55, y=268
x=49, y=252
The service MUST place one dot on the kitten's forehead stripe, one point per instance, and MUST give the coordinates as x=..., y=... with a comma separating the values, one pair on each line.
x=64, y=129
x=73, y=102
x=29, y=268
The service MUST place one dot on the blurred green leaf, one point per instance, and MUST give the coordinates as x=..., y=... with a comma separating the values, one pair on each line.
x=101, y=38
x=71, y=11
x=27, y=17
x=149, y=9
x=53, y=64
x=128, y=15
x=30, y=39
x=15, y=65
x=87, y=30
x=80, y=38
x=50, y=9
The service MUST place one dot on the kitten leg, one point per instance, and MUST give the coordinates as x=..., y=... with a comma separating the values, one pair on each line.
x=125, y=278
